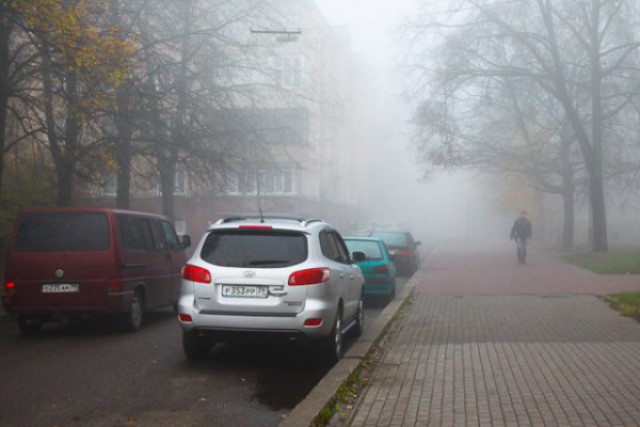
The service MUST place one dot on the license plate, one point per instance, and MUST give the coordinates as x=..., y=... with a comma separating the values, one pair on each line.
x=60, y=288
x=243, y=291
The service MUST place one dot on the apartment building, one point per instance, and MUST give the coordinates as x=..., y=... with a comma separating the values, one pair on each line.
x=299, y=148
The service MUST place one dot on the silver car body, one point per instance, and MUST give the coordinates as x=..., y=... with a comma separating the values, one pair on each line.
x=285, y=308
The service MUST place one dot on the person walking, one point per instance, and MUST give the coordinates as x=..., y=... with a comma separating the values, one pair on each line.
x=520, y=232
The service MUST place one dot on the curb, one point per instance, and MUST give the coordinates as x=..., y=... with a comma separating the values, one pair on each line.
x=306, y=412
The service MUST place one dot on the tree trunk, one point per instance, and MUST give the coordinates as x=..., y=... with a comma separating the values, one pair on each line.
x=124, y=129
x=123, y=148
x=167, y=178
x=568, y=222
x=595, y=166
x=71, y=140
x=5, y=89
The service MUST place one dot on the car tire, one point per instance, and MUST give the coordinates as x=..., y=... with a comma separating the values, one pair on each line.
x=392, y=294
x=333, y=344
x=358, y=327
x=133, y=317
x=196, y=347
x=30, y=326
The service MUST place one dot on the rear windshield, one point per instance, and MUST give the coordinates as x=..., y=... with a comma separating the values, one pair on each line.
x=63, y=232
x=392, y=239
x=371, y=249
x=254, y=249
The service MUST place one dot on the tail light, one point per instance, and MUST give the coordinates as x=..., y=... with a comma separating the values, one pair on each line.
x=403, y=252
x=196, y=274
x=310, y=276
x=9, y=288
x=185, y=318
x=114, y=285
x=381, y=269
x=313, y=321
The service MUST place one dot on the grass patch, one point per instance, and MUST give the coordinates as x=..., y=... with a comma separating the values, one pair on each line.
x=627, y=303
x=616, y=261
x=338, y=410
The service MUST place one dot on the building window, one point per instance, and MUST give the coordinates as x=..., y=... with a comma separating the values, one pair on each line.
x=180, y=182
x=110, y=185
x=287, y=71
x=274, y=182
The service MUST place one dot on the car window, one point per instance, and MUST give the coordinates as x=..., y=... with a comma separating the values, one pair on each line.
x=159, y=243
x=134, y=233
x=254, y=248
x=392, y=239
x=56, y=232
x=342, y=248
x=170, y=236
x=372, y=249
x=332, y=247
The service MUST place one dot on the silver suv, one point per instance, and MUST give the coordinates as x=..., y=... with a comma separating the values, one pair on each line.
x=271, y=276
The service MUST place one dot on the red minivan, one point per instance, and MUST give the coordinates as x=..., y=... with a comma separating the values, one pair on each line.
x=70, y=262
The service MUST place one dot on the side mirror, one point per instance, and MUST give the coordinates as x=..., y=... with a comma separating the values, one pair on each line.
x=185, y=241
x=358, y=256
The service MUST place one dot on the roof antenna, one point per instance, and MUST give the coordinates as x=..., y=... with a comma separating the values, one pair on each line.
x=255, y=155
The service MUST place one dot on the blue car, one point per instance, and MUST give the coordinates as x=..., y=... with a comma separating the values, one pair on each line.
x=378, y=269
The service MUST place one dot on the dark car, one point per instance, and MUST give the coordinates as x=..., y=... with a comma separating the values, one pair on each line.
x=404, y=248
x=73, y=262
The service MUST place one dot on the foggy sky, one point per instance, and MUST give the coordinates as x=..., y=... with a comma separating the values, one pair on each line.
x=449, y=206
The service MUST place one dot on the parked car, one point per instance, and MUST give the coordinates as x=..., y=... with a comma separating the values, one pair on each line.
x=271, y=277
x=378, y=268
x=75, y=262
x=403, y=248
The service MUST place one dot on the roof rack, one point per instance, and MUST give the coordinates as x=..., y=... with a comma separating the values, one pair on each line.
x=303, y=222
x=259, y=217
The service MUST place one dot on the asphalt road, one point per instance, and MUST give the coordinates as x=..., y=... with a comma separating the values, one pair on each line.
x=91, y=373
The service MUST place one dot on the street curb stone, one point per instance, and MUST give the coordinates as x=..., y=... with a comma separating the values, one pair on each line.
x=305, y=412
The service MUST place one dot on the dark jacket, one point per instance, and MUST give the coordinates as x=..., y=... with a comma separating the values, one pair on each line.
x=521, y=228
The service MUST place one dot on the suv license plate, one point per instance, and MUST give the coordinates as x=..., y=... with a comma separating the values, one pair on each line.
x=238, y=291
x=60, y=288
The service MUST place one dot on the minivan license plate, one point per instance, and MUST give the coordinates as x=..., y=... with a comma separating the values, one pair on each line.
x=239, y=291
x=60, y=288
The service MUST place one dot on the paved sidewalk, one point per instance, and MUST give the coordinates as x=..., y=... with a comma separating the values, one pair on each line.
x=488, y=342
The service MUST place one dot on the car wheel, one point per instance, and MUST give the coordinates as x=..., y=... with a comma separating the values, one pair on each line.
x=196, y=347
x=333, y=343
x=358, y=328
x=30, y=325
x=392, y=294
x=132, y=319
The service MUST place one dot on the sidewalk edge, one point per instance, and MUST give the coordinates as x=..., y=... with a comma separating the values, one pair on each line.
x=307, y=411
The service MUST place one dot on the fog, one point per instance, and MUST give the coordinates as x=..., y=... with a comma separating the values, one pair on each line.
x=450, y=205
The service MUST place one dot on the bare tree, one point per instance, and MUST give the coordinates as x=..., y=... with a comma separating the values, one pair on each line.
x=582, y=53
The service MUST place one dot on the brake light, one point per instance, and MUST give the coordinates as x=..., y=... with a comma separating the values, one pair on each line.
x=196, y=274
x=256, y=227
x=381, y=269
x=310, y=276
x=9, y=288
x=114, y=285
x=185, y=318
x=403, y=252
x=314, y=321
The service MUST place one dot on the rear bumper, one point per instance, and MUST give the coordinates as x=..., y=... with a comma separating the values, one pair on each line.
x=112, y=304
x=378, y=288
x=230, y=326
